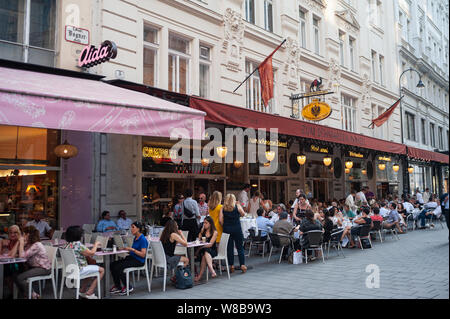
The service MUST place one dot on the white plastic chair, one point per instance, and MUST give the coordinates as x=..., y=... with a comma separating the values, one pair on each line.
x=69, y=260
x=158, y=260
x=138, y=269
x=88, y=228
x=129, y=241
x=179, y=250
x=103, y=240
x=222, y=254
x=120, y=245
x=57, y=234
x=87, y=238
x=51, y=253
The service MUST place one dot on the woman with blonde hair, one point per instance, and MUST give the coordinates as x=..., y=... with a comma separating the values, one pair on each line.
x=215, y=207
x=229, y=218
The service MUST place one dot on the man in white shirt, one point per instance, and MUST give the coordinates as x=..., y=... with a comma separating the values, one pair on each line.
x=361, y=198
x=41, y=225
x=350, y=201
x=419, y=196
x=408, y=206
x=123, y=222
x=384, y=212
x=426, y=195
x=243, y=197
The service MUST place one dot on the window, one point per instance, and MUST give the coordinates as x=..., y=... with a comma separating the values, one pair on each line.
x=178, y=64
x=253, y=90
x=379, y=13
x=374, y=70
x=27, y=31
x=204, y=78
x=341, y=47
x=432, y=137
x=268, y=15
x=441, y=138
x=381, y=69
x=375, y=12
x=250, y=11
x=423, y=131
x=410, y=126
x=302, y=28
x=348, y=113
x=316, y=27
x=150, y=55
x=351, y=44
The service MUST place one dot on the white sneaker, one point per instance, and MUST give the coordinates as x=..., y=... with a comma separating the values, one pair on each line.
x=427, y=225
x=82, y=294
x=93, y=296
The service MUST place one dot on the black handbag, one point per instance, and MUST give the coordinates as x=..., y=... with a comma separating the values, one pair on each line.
x=187, y=212
x=184, y=278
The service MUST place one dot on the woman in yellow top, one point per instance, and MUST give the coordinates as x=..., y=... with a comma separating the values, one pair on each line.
x=214, y=208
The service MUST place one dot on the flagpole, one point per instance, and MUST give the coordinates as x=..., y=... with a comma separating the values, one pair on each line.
x=258, y=65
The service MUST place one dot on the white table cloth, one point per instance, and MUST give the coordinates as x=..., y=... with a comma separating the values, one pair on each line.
x=246, y=224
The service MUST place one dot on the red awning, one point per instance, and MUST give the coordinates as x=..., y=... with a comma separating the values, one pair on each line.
x=427, y=155
x=240, y=117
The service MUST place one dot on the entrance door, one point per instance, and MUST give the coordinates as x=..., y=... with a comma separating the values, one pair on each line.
x=320, y=190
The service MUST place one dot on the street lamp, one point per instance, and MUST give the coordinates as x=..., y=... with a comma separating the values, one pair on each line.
x=419, y=85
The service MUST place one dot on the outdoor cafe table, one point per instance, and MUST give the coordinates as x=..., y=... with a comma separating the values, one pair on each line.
x=4, y=260
x=191, y=247
x=107, y=260
x=61, y=243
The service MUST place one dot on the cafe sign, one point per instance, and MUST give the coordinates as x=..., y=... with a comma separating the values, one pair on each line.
x=263, y=141
x=316, y=111
x=355, y=154
x=91, y=56
x=318, y=149
x=159, y=152
x=384, y=158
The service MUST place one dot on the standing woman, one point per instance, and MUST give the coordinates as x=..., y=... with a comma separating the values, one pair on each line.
x=34, y=252
x=177, y=209
x=209, y=251
x=266, y=203
x=229, y=218
x=214, y=207
x=136, y=258
x=254, y=204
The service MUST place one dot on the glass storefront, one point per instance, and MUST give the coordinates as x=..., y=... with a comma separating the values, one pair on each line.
x=387, y=179
x=356, y=177
x=29, y=175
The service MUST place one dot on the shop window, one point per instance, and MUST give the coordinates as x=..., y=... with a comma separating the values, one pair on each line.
x=29, y=173
x=27, y=31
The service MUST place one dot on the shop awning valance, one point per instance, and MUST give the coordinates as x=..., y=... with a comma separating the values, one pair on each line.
x=427, y=155
x=240, y=117
x=36, y=99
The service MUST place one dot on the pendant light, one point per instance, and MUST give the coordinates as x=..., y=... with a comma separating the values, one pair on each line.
x=301, y=159
x=270, y=155
x=327, y=161
x=349, y=164
x=395, y=167
x=66, y=150
x=222, y=151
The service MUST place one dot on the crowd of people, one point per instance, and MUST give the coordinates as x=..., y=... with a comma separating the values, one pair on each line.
x=207, y=220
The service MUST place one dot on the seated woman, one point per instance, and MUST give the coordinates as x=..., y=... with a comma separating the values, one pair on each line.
x=82, y=253
x=208, y=252
x=34, y=252
x=136, y=258
x=376, y=215
x=106, y=224
x=327, y=225
x=167, y=215
x=308, y=224
x=10, y=248
x=170, y=236
x=363, y=219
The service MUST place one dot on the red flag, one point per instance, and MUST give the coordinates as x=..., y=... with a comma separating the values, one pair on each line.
x=266, y=77
x=385, y=116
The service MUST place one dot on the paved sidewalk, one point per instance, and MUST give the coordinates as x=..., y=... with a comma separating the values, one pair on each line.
x=416, y=266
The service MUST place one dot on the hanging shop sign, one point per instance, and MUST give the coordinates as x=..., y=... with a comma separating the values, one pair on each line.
x=263, y=141
x=319, y=149
x=316, y=111
x=159, y=152
x=91, y=56
x=77, y=35
x=355, y=154
x=384, y=158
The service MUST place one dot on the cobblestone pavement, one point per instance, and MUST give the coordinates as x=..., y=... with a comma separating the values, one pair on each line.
x=416, y=266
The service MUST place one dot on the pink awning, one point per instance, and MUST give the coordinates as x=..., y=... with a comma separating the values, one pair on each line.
x=44, y=100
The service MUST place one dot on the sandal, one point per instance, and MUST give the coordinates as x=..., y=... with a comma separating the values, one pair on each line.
x=232, y=269
x=213, y=275
x=244, y=269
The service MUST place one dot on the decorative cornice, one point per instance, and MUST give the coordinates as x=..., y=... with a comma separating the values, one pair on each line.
x=349, y=19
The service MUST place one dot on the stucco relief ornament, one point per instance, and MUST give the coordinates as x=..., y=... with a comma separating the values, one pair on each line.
x=335, y=75
x=366, y=89
x=234, y=37
x=292, y=64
